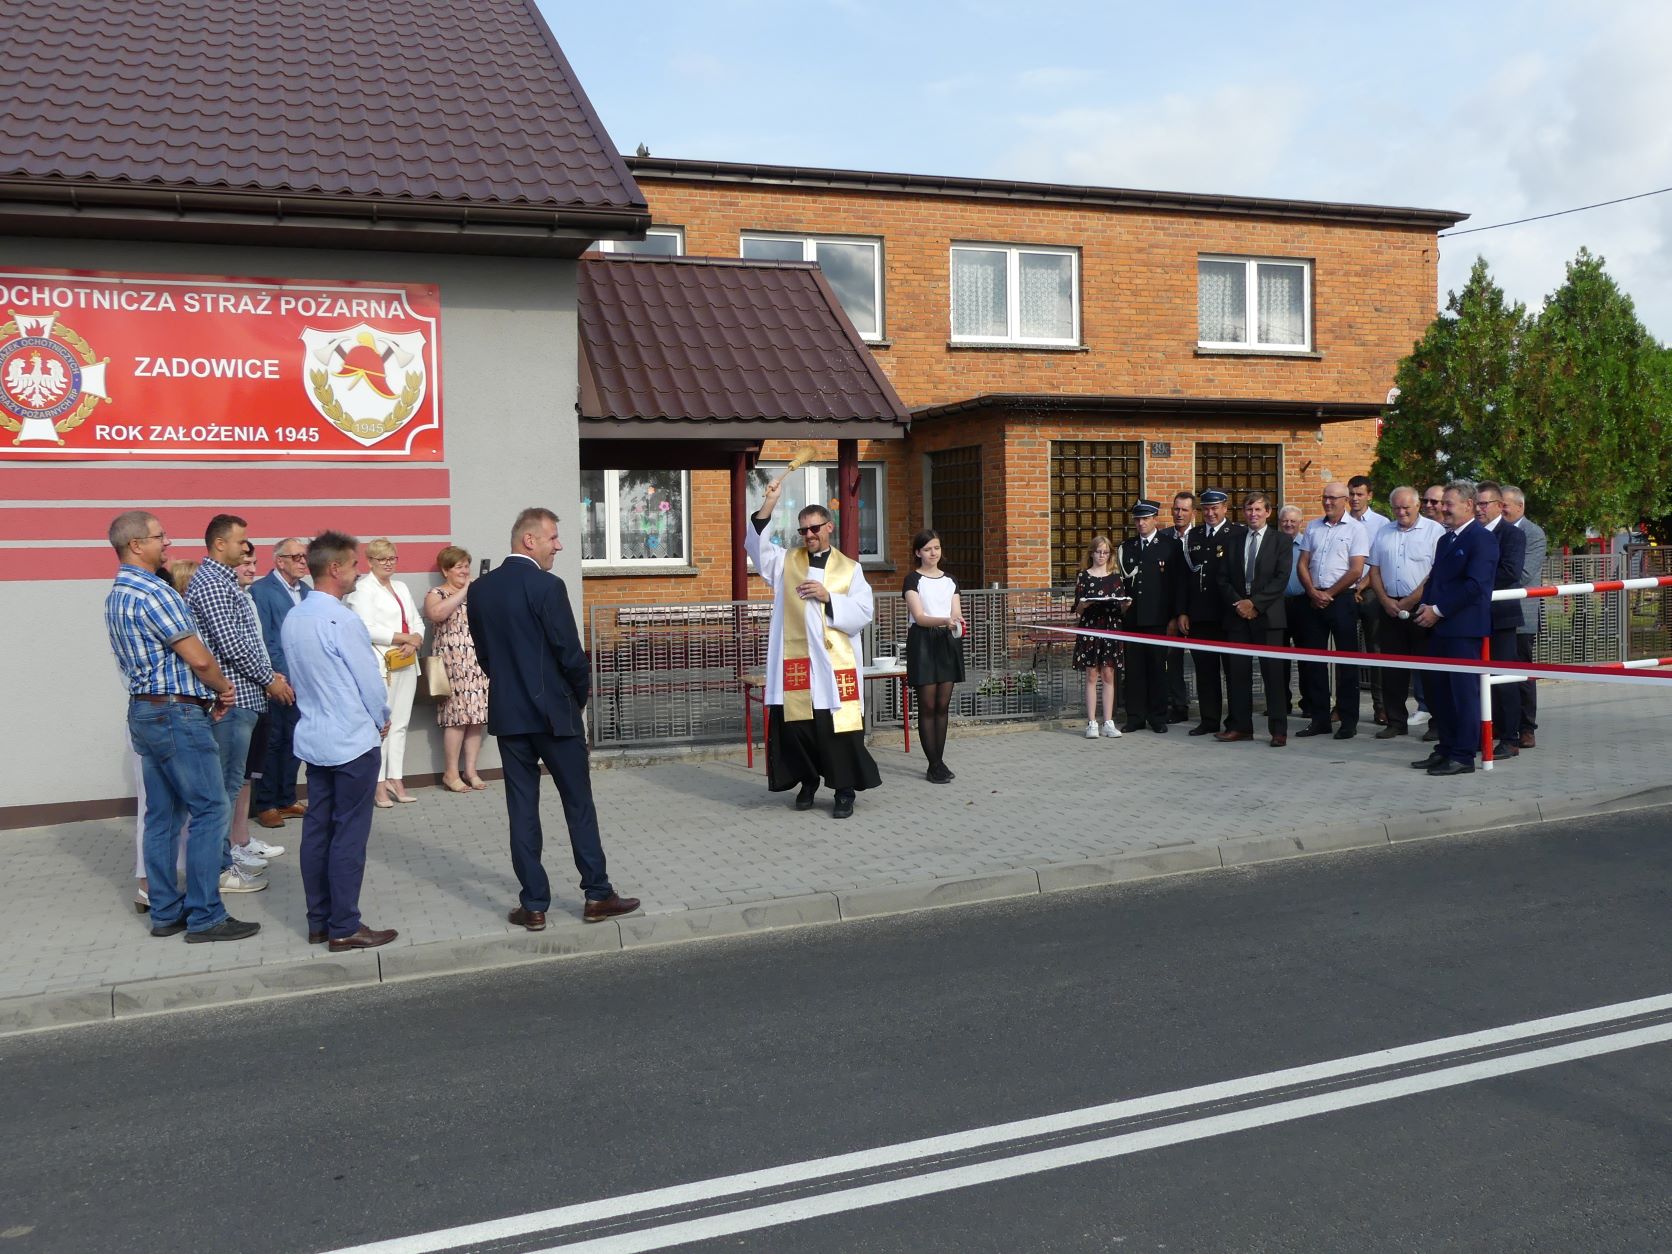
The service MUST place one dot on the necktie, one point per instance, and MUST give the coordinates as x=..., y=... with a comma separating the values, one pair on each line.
x=1248, y=566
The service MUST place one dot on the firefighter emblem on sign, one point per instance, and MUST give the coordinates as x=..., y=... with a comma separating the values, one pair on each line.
x=366, y=382
x=49, y=381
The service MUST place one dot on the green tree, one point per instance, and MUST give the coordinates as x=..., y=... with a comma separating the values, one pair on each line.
x=1456, y=390
x=1588, y=437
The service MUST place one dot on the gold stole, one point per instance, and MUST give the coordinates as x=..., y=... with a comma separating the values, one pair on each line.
x=798, y=677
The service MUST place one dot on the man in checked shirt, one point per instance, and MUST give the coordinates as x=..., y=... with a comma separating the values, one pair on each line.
x=234, y=637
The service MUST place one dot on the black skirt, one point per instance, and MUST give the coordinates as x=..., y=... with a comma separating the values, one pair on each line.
x=806, y=751
x=933, y=656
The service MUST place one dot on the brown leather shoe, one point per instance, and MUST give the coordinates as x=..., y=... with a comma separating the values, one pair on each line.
x=295, y=810
x=1528, y=740
x=270, y=818
x=533, y=920
x=1226, y=737
x=1278, y=740
x=316, y=938
x=609, y=908
x=365, y=938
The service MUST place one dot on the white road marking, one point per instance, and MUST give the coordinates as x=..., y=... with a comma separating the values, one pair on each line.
x=516, y=1226
x=1096, y=1151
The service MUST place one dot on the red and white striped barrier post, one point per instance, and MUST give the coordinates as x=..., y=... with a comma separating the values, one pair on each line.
x=1555, y=590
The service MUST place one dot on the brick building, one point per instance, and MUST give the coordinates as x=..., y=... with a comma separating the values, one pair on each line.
x=1063, y=350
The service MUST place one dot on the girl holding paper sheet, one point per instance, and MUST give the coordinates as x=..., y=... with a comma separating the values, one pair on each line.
x=1099, y=600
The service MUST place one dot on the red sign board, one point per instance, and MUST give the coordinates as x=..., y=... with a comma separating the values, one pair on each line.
x=100, y=365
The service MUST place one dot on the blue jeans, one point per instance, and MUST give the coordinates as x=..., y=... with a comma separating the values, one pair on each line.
x=232, y=744
x=182, y=780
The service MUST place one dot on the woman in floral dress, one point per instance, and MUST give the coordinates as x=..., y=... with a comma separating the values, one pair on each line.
x=464, y=714
x=1099, y=600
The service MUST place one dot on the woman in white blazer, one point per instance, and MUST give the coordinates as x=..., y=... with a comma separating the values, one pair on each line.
x=391, y=616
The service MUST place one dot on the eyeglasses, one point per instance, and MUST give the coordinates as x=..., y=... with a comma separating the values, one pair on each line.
x=1328, y=497
x=1434, y=501
x=811, y=531
x=392, y=557
x=289, y=557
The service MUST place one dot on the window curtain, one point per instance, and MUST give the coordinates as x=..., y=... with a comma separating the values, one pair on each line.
x=1222, y=302
x=1047, y=296
x=1282, y=309
x=650, y=515
x=979, y=294
x=593, y=513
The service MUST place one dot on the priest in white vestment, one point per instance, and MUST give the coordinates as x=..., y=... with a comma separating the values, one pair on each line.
x=815, y=694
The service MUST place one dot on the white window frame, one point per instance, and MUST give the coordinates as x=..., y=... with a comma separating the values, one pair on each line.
x=773, y=469
x=1251, y=297
x=1013, y=291
x=809, y=252
x=675, y=233
x=612, y=529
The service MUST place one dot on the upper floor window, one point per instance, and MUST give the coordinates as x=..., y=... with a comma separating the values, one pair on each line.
x=1015, y=294
x=1254, y=302
x=659, y=241
x=852, y=266
x=636, y=517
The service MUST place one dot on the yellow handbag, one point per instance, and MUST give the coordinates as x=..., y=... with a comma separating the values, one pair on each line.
x=395, y=660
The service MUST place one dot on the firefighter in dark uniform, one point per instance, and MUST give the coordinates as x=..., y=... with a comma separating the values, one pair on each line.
x=1153, y=565
x=1177, y=661
x=1204, y=551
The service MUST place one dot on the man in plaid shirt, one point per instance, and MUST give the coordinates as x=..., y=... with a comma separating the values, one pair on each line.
x=169, y=676
x=230, y=629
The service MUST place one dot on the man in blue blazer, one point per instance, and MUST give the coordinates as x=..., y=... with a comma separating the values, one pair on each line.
x=539, y=681
x=1457, y=605
x=1506, y=615
x=280, y=590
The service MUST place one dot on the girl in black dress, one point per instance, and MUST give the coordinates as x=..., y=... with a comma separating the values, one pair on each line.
x=934, y=648
x=1099, y=600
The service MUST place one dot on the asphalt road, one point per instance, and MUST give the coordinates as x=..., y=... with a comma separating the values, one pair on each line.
x=320, y=1123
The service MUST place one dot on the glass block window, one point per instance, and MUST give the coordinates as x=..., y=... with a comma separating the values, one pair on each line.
x=1093, y=486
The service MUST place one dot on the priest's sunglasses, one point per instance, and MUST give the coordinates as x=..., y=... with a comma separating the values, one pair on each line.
x=813, y=530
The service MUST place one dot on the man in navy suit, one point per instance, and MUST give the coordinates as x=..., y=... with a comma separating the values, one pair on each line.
x=1506, y=615
x=1457, y=605
x=1253, y=577
x=526, y=641
x=275, y=594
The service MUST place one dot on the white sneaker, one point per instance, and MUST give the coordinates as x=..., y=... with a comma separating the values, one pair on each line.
x=1109, y=728
x=235, y=879
x=1417, y=719
x=246, y=857
x=261, y=849
x=1091, y=731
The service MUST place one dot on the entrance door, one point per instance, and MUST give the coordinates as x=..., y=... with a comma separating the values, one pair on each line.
x=954, y=499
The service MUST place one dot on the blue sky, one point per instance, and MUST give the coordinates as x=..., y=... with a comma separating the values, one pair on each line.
x=1500, y=110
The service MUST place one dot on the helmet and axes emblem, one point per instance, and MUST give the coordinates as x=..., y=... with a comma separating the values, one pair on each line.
x=367, y=383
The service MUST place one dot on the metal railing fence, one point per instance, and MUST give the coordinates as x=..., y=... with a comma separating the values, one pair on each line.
x=673, y=674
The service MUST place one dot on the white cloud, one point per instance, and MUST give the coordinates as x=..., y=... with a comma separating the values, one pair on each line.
x=1229, y=140
x=1052, y=78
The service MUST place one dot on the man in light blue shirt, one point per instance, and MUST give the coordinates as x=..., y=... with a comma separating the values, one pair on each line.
x=344, y=717
x=1401, y=555
x=1333, y=550
x=1369, y=613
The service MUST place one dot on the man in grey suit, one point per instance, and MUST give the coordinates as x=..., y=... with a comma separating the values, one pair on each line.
x=1532, y=609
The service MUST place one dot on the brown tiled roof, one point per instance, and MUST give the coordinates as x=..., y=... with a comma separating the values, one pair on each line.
x=438, y=102
x=1179, y=407
x=817, y=178
x=669, y=343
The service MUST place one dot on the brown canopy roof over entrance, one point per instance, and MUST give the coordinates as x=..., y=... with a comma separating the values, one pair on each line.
x=686, y=359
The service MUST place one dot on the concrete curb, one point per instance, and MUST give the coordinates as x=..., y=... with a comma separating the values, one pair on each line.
x=235, y=985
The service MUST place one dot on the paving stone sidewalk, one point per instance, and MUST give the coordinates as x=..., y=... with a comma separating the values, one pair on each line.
x=711, y=851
